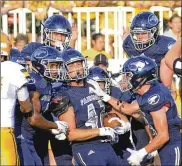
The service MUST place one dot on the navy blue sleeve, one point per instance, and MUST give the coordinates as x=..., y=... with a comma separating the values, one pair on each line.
x=116, y=92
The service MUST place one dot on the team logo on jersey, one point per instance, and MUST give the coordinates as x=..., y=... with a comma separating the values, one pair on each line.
x=31, y=80
x=41, y=53
x=153, y=20
x=170, y=45
x=49, y=20
x=154, y=99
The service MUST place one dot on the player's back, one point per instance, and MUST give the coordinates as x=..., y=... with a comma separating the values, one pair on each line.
x=13, y=77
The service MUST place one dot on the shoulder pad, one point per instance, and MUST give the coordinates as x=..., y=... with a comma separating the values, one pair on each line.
x=154, y=101
x=59, y=105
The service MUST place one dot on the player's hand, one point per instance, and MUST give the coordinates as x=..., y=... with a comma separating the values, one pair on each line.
x=136, y=157
x=94, y=87
x=74, y=32
x=111, y=133
x=125, y=127
x=60, y=136
x=62, y=128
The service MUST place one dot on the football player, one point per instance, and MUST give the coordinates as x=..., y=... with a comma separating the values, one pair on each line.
x=58, y=33
x=129, y=139
x=84, y=115
x=46, y=66
x=140, y=75
x=13, y=87
x=144, y=40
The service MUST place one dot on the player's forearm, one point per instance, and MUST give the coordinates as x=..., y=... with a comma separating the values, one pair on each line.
x=82, y=134
x=39, y=121
x=157, y=143
x=173, y=53
x=123, y=107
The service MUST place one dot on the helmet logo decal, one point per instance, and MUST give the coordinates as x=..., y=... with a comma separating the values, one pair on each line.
x=41, y=53
x=154, y=99
x=134, y=66
x=49, y=20
x=152, y=20
x=31, y=80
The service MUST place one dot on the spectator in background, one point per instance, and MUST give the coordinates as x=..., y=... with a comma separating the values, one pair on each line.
x=98, y=43
x=84, y=16
x=20, y=41
x=101, y=61
x=39, y=7
x=63, y=6
x=175, y=27
x=7, y=6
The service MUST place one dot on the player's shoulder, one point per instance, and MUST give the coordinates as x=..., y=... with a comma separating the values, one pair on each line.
x=165, y=42
x=155, y=98
x=10, y=67
x=127, y=39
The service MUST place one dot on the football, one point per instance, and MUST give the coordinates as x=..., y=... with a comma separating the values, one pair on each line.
x=110, y=120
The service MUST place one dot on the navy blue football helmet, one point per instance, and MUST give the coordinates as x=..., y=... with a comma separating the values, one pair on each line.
x=47, y=62
x=100, y=75
x=144, y=23
x=15, y=56
x=57, y=24
x=138, y=71
x=70, y=56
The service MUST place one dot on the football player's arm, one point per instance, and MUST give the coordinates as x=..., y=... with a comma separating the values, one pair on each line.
x=173, y=53
x=75, y=134
x=167, y=81
x=161, y=125
x=124, y=107
x=31, y=112
x=122, y=116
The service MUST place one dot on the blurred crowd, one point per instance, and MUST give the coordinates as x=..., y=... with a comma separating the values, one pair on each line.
x=171, y=26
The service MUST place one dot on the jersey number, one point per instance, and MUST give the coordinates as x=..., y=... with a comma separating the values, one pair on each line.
x=92, y=115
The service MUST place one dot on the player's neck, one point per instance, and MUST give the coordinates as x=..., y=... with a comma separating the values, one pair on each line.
x=75, y=83
x=143, y=89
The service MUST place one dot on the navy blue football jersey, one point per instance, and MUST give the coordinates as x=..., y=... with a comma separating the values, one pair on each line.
x=153, y=100
x=155, y=52
x=87, y=107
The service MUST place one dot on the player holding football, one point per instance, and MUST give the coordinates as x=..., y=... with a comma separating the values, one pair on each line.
x=84, y=115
